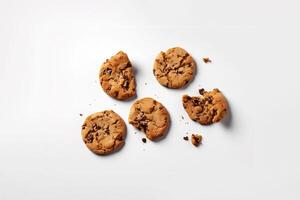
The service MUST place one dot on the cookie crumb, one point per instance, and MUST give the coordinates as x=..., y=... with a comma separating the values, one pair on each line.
x=206, y=60
x=186, y=138
x=182, y=117
x=196, y=139
x=80, y=114
x=144, y=140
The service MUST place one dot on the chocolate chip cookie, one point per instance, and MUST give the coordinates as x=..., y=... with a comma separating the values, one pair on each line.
x=207, y=108
x=117, y=77
x=104, y=132
x=149, y=116
x=174, y=68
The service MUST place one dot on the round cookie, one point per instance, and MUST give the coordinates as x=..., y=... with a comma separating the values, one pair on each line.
x=174, y=68
x=149, y=116
x=206, y=109
x=104, y=132
x=117, y=77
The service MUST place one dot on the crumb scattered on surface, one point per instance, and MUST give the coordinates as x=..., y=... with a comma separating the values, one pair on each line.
x=196, y=139
x=146, y=83
x=186, y=138
x=182, y=117
x=81, y=114
x=201, y=91
x=206, y=60
x=144, y=140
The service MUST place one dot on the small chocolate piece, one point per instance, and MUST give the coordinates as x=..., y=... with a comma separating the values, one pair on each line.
x=201, y=91
x=80, y=115
x=186, y=138
x=206, y=60
x=144, y=140
x=196, y=139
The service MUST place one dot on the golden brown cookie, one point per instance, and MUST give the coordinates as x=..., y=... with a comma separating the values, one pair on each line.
x=117, y=77
x=174, y=68
x=207, y=108
x=149, y=116
x=104, y=132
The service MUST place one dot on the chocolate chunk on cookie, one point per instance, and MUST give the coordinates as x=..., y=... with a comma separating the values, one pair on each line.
x=104, y=132
x=207, y=108
x=174, y=68
x=117, y=77
x=149, y=116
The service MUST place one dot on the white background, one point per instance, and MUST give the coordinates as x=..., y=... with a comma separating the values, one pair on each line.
x=50, y=54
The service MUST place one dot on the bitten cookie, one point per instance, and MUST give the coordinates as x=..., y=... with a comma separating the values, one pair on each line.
x=104, y=132
x=206, y=109
x=117, y=77
x=149, y=116
x=174, y=68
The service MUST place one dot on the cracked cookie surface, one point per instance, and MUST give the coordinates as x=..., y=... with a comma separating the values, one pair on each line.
x=104, y=132
x=174, y=68
x=117, y=77
x=149, y=116
x=208, y=108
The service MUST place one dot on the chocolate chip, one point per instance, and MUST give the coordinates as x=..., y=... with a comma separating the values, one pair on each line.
x=144, y=140
x=90, y=137
x=186, y=138
x=188, y=97
x=196, y=101
x=125, y=84
x=206, y=60
x=108, y=71
x=201, y=91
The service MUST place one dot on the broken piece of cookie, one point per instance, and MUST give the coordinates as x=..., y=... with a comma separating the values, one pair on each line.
x=149, y=116
x=196, y=139
x=117, y=77
x=208, y=108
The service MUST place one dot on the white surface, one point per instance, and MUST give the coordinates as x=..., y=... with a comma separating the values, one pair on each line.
x=50, y=56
